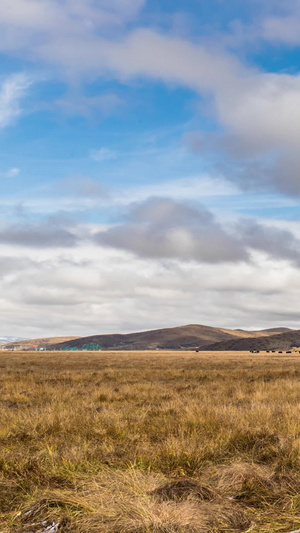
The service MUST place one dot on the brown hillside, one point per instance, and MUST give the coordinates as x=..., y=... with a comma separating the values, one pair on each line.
x=261, y=333
x=275, y=330
x=283, y=341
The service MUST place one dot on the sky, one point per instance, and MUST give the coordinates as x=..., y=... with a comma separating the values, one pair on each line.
x=149, y=165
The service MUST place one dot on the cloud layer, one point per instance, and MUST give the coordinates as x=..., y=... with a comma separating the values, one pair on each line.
x=114, y=292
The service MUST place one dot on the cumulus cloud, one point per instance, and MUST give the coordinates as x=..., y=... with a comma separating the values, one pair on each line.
x=275, y=242
x=163, y=228
x=12, y=90
x=258, y=111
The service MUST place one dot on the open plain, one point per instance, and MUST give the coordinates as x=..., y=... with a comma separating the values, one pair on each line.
x=149, y=442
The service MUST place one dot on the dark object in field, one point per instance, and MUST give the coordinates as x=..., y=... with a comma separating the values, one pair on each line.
x=182, y=489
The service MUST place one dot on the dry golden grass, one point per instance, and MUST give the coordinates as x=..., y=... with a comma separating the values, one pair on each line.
x=153, y=442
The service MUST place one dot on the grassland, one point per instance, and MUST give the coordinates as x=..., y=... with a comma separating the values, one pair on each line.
x=149, y=442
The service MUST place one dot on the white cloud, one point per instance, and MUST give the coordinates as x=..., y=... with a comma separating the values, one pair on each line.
x=12, y=90
x=24, y=22
x=282, y=25
x=103, y=154
x=282, y=29
x=13, y=172
x=190, y=188
x=53, y=232
x=259, y=111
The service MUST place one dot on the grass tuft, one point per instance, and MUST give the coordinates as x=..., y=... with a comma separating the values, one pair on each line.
x=183, y=489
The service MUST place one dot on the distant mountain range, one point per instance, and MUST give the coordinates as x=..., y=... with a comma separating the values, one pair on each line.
x=191, y=337
x=5, y=340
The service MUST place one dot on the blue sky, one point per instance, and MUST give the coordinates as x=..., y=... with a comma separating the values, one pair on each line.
x=148, y=154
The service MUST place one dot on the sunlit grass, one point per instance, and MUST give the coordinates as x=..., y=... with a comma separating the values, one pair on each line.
x=94, y=441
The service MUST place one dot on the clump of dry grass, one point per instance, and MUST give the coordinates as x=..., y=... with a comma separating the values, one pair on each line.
x=183, y=489
x=149, y=442
x=121, y=502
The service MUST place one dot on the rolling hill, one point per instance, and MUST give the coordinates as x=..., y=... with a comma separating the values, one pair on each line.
x=282, y=341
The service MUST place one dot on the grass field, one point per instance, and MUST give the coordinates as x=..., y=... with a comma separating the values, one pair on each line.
x=156, y=442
